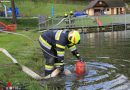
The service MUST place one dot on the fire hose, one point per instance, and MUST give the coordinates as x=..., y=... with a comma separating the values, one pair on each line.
x=27, y=70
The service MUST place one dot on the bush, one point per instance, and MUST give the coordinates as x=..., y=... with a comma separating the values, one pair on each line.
x=22, y=23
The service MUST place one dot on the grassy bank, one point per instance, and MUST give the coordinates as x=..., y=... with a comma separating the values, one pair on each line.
x=22, y=23
x=26, y=52
x=44, y=7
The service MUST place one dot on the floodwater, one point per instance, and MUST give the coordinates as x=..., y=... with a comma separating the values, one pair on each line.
x=107, y=57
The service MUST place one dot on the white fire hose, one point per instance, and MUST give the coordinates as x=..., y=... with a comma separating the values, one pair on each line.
x=27, y=70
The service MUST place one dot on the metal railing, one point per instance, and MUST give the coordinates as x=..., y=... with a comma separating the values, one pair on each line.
x=81, y=22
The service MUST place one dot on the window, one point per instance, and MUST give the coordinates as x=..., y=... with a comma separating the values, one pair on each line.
x=120, y=9
x=107, y=9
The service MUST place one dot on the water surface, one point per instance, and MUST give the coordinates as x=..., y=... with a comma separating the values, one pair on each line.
x=108, y=63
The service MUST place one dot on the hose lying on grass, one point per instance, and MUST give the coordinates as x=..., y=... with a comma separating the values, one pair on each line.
x=27, y=70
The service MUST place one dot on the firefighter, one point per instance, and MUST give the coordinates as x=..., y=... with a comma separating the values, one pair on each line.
x=71, y=19
x=65, y=15
x=53, y=43
x=71, y=13
x=67, y=19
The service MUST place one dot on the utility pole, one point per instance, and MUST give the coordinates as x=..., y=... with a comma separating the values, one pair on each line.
x=52, y=9
x=13, y=12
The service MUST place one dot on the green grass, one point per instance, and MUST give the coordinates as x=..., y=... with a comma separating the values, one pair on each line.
x=26, y=52
x=29, y=8
x=29, y=53
x=89, y=21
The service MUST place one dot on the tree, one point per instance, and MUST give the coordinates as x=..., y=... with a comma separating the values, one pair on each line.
x=126, y=1
x=13, y=12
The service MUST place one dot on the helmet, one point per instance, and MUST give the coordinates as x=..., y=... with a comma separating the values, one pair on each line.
x=74, y=37
x=66, y=14
x=71, y=12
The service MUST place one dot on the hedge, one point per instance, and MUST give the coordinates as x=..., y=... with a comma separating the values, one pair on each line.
x=22, y=23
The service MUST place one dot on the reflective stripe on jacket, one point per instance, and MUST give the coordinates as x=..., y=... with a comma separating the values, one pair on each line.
x=44, y=43
x=57, y=39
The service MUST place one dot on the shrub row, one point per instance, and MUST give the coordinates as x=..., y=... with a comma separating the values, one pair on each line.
x=22, y=23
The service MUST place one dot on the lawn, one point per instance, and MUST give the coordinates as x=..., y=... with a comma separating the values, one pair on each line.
x=44, y=7
x=27, y=52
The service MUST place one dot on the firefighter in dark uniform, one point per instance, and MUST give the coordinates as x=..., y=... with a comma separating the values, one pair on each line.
x=67, y=19
x=53, y=43
x=65, y=15
x=71, y=19
x=71, y=13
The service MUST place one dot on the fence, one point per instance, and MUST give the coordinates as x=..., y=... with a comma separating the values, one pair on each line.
x=85, y=22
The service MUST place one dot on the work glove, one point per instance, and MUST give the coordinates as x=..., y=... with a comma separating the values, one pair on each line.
x=76, y=54
x=79, y=57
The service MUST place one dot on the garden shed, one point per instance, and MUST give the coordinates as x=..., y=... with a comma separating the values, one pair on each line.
x=105, y=7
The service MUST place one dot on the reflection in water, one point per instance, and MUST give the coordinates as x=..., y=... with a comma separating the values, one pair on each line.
x=108, y=44
x=108, y=62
